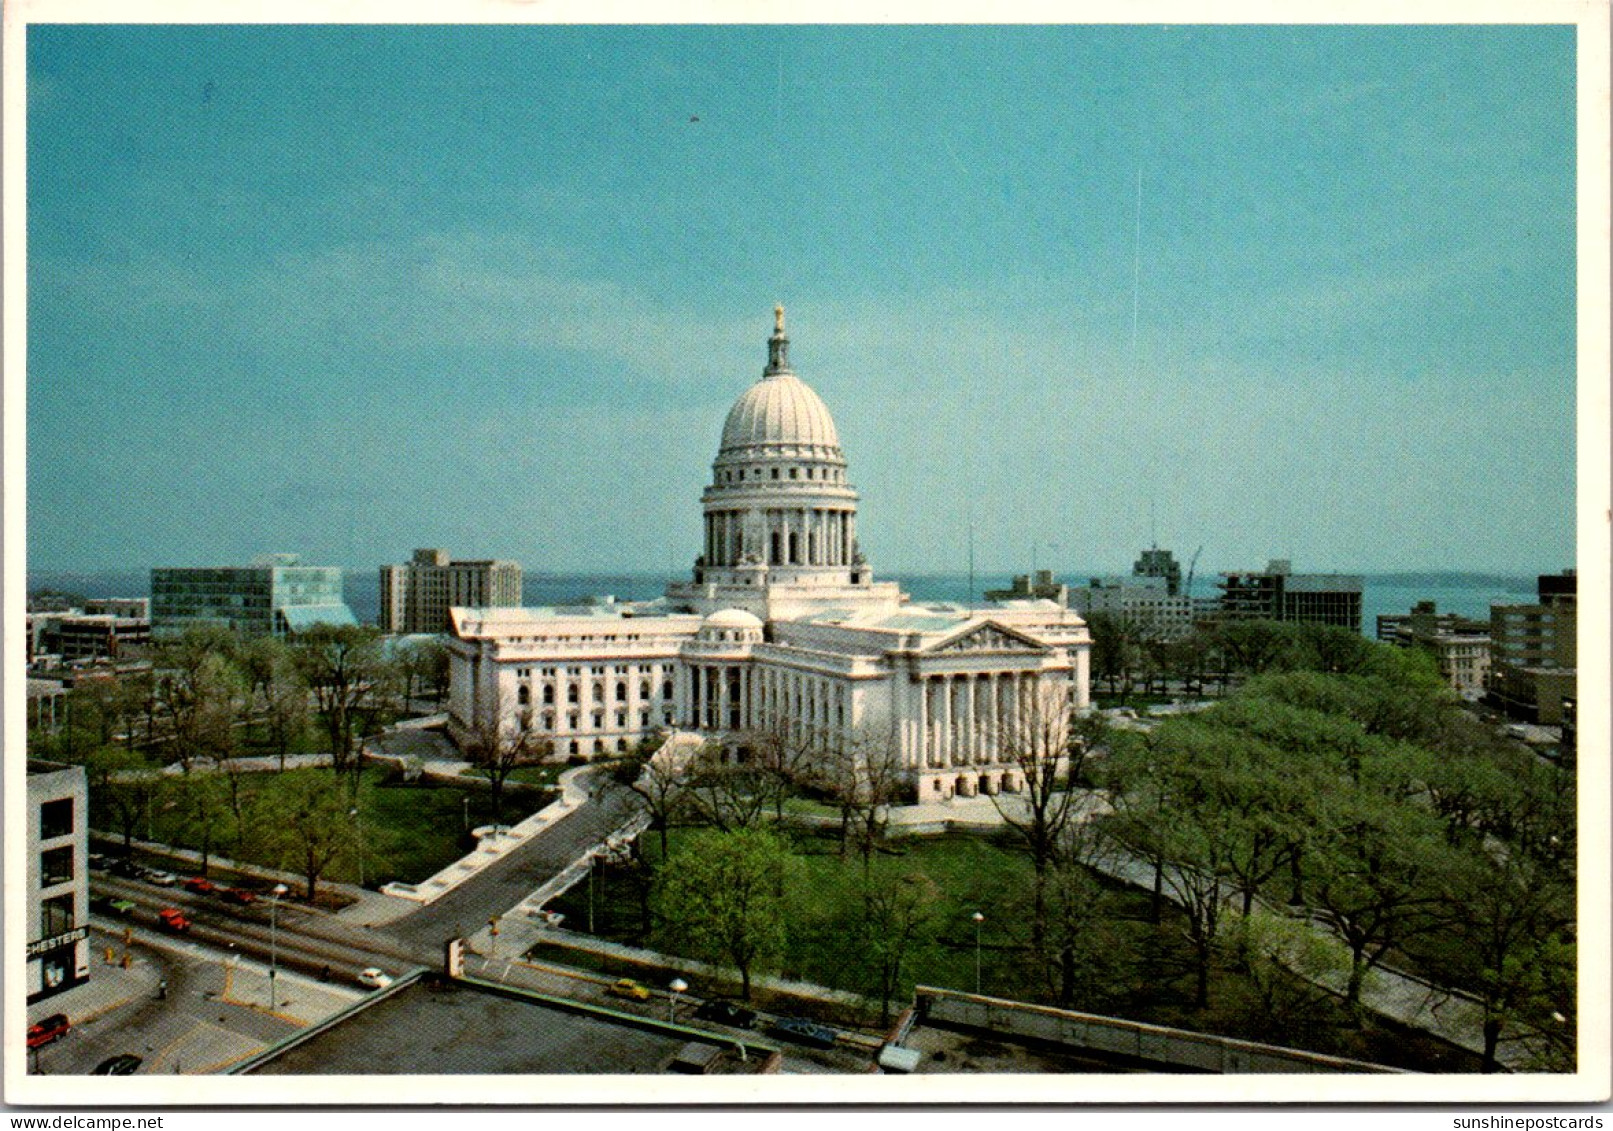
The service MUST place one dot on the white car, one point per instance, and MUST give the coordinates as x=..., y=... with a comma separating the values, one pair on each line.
x=372, y=977
x=162, y=879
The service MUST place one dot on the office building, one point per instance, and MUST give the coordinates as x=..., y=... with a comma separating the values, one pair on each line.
x=1534, y=651
x=57, y=898
x=274, y=595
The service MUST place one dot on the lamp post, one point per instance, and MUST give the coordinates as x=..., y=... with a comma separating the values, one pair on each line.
x=677, y=987
x=979, y=919
x=358, y=824
x=274, y=938
x=464, y=811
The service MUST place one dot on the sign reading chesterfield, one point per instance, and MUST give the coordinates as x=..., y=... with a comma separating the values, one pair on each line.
x=44, y=946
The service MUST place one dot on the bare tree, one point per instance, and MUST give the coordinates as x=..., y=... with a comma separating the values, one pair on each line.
x=729, y=794
x=658, y=777
x=862, y=772
x=498, y=749
x=1036, y=740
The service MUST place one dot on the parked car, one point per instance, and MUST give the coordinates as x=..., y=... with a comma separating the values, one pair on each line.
x=726, y=1013
x=160, y=878
x=52, y=1028
x=804, y=1032
x=123, y=1064
x=124, y=907
x=201, y=885
x=99, y=861
x=238, y=895
x=173, y=920
x=374, y=978
x=626, y=987
x=126, y=868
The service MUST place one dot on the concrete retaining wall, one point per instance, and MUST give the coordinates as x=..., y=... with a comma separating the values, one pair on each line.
x=1177, y=1048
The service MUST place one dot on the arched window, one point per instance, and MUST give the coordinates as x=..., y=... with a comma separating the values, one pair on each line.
x=621, y=691
x=571, y=694
x=523, y=695
x=599, y=693
x=666, y=690
x=644, y=690
x=548, y=693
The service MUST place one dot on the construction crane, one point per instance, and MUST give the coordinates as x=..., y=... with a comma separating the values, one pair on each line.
x=1191, y=566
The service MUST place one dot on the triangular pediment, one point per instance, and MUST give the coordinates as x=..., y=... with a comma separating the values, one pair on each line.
x=988, y=637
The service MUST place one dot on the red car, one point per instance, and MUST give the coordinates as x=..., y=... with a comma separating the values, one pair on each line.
x=52, y=1028
x=238, y=895
x=172, y=919
x=200, y=885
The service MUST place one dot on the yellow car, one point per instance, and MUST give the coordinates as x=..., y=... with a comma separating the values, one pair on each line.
x=626, y=987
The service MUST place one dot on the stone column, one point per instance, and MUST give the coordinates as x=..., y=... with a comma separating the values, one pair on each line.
x=924, y=723
x=948, y=722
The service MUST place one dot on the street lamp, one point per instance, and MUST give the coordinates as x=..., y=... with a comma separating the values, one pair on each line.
x=979, y=919
x=358, y=822
x=274, y=955
x=677, y=987
x=464, y=811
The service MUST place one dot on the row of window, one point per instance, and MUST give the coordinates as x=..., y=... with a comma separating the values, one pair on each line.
x=574, y=722
x=819, y=474
x=523, y=693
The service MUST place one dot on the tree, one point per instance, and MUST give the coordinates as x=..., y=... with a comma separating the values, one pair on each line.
x=308, y=826
x=728, y=794
x=126, y=784
x=1374, y=870
x=897, y=912
x=351, y=680
x=1037, y=741
x=277, y=691
x=423, y=664
x=1287, y=967
x=656, y=775
x=203, y=811
x=197, y=691
x=863, y=775
x=498, y=749
x=721, y=893
x=1512, y=918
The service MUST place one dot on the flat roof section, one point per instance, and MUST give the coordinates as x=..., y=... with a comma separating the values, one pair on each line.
x=433, y=1026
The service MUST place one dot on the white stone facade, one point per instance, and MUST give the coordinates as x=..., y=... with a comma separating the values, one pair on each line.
x=782, y=628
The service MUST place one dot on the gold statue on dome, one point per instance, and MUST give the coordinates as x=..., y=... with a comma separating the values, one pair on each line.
x=778, y=318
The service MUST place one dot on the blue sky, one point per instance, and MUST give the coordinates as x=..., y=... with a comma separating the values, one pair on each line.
x=349, y=291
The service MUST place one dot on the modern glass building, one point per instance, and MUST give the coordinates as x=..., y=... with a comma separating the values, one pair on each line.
x=252, y=600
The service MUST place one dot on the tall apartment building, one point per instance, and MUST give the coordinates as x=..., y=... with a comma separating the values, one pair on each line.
x=1534, y=651
x=57, y=897
x=274, y=595
x=1280, y=594
x=416, y=596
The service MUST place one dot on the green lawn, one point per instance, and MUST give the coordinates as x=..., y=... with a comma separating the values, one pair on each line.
x=409, y=831
x=1131, y=967
x=546, y=774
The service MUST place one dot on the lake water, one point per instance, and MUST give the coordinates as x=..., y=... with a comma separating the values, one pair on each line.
x=1468, y=594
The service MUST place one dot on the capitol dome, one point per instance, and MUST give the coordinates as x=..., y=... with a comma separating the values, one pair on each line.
x=780, y=410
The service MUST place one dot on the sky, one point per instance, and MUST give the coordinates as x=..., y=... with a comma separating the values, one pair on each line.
x=1273, y=292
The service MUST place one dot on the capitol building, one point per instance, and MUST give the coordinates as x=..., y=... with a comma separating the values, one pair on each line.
x=782, y=628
